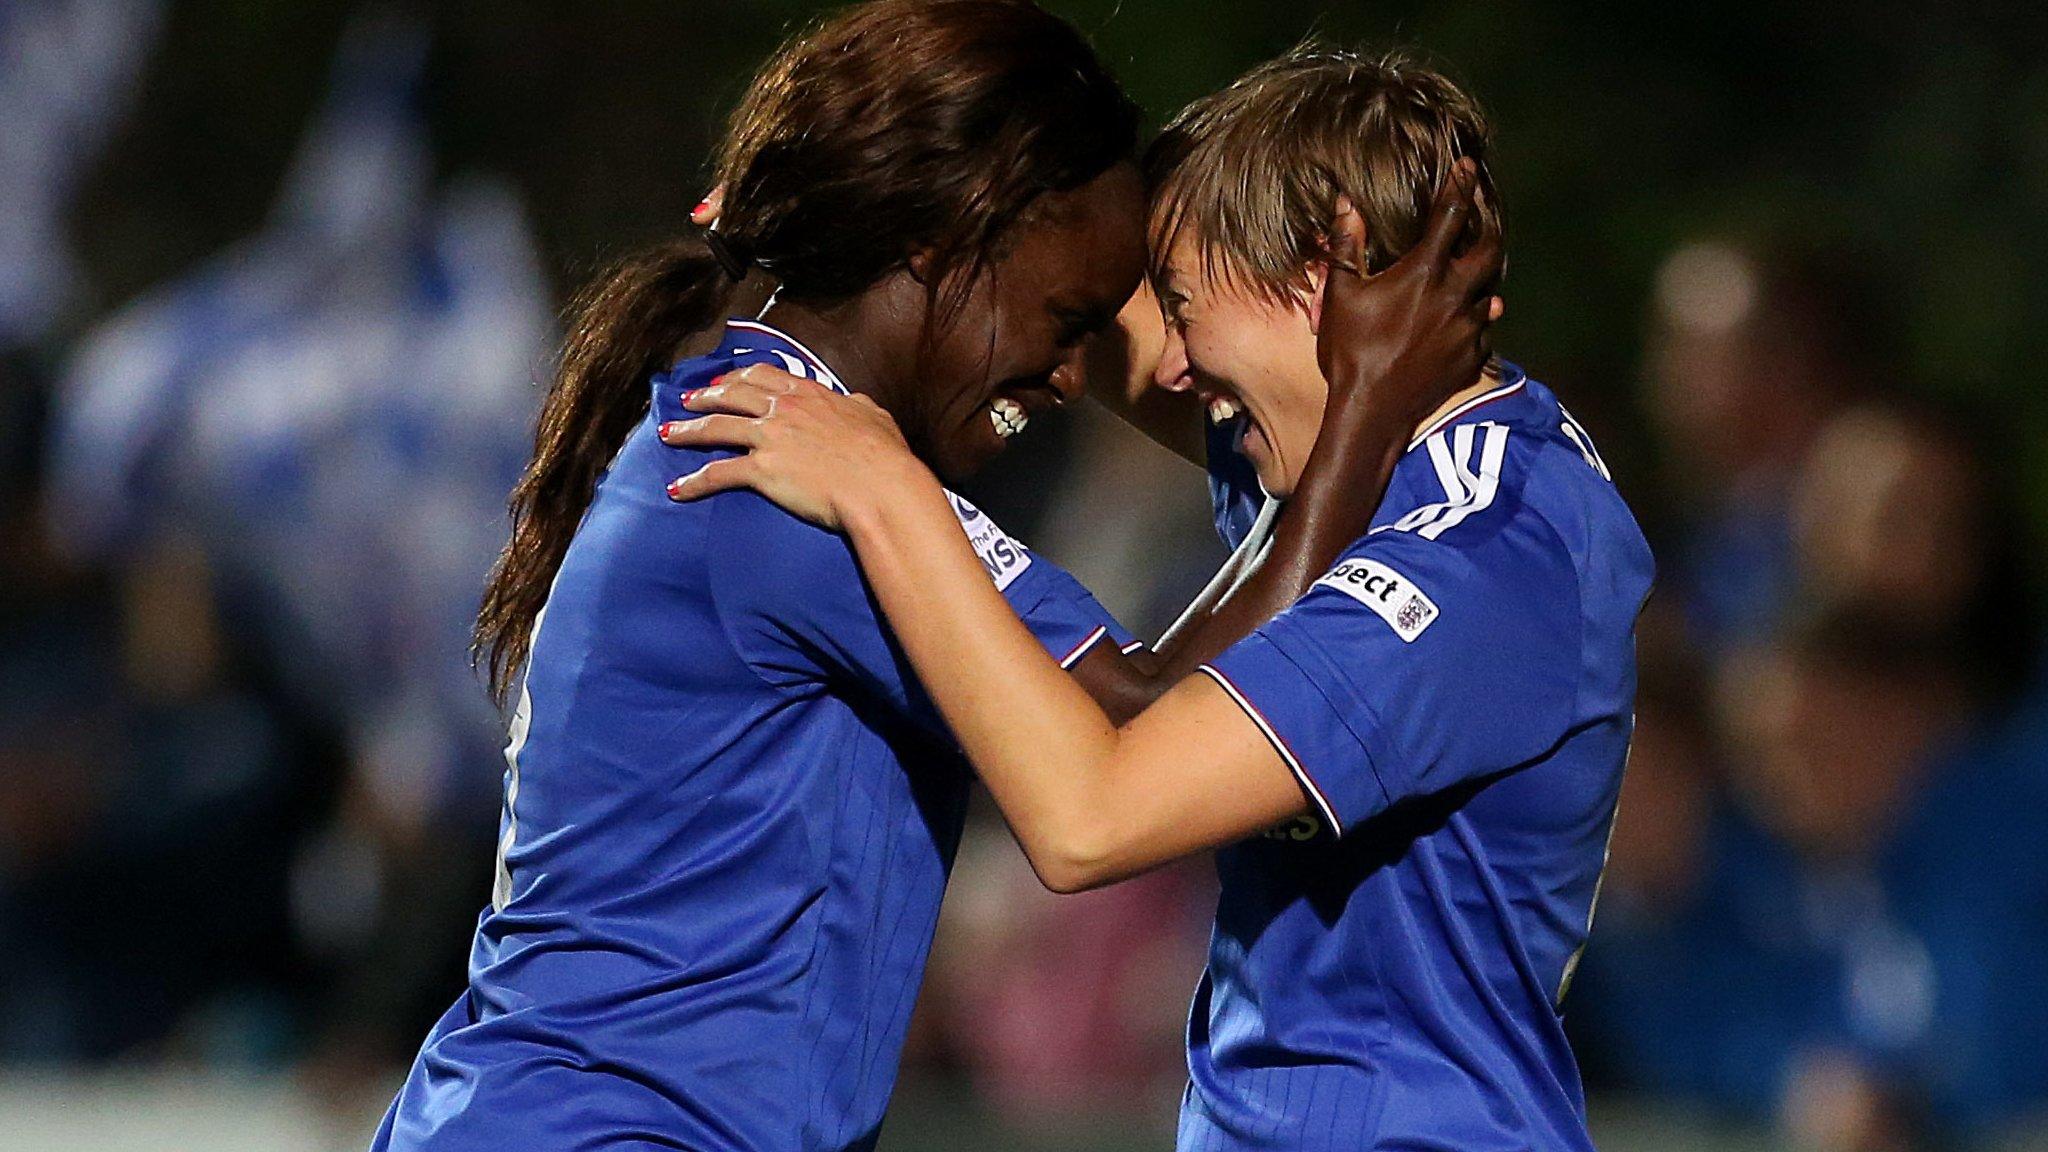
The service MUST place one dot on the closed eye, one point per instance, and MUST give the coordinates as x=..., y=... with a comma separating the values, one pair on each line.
x=1171, y=304
x=1075, y=327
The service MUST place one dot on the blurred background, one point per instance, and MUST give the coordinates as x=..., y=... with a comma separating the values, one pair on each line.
x=277, y=281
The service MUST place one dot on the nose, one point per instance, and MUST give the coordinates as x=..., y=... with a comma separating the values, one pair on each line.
x=1070, y=380
x=1172, y=373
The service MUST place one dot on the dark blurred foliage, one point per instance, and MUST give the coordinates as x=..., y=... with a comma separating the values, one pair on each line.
x=1908, y=143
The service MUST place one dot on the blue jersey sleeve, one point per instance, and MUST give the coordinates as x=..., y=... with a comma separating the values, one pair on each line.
x=796, y=606
x=1416, y=665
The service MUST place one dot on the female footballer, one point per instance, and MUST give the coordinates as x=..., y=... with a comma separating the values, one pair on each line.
x=1410, y=773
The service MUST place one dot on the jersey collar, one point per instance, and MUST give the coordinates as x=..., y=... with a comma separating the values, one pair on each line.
x=752, y=336
x=1512, y=380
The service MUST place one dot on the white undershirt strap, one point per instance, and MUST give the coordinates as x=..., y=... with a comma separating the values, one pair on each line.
x=1244, y=561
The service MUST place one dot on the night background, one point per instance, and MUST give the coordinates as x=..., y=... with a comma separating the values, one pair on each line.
x=277, y=281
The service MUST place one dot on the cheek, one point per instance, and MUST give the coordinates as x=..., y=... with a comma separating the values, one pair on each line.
x=954, y=376
x=1221, y=349
x=1195, y=348
x=1291, y=391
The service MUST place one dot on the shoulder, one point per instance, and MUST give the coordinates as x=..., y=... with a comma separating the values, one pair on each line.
x=765, y=556
x=761, y=552
x=1512, y=474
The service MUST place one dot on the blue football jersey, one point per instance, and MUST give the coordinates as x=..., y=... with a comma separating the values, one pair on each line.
x=1456, y=698
x=729, y=815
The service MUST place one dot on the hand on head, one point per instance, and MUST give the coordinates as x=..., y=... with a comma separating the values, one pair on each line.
x=1421, y=330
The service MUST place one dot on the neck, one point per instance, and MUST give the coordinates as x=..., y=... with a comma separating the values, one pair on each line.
x=1487, y=380
x=853, y=336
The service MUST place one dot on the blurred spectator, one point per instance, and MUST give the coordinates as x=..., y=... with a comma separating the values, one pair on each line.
x=1747, y=358
x=1065, y=1009
x=334, y=410
x=1851, y=946
x=1900, y=512
x=1869, y=916
x=149, y=813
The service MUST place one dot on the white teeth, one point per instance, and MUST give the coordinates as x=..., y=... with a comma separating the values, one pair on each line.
x=1008, y=416
x=1222, y=410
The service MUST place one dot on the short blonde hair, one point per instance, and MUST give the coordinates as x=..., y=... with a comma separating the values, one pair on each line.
x=1257, y=168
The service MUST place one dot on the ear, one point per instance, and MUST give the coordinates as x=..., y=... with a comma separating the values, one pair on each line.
x=1312, y=299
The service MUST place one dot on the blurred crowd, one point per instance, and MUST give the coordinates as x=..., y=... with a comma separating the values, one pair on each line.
x=249, y=784
x=1824, y=908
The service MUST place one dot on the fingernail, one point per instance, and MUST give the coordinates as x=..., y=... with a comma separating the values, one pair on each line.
x=715, y=381
x=687, y=395
x=702, y=207
x=675, y=488
x=668, y=425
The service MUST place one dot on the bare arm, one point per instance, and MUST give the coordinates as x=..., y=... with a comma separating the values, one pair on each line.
x=1089, y=801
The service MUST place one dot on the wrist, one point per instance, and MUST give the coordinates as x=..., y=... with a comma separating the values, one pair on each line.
x=1366, y=398
x=1359, y=429
x=869, y=507
x=1357, y=447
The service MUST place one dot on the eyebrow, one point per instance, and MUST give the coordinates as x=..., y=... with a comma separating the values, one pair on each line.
x=1092, y=317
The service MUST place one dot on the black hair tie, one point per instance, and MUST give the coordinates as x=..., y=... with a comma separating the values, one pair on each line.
x=722, y=250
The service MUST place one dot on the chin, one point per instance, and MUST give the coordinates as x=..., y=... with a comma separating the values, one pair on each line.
x=1274, y=480
x=959, y=458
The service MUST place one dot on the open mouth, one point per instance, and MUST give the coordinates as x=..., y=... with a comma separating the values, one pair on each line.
x=1009, y=416
x=1231, y=415
x=1224, y=409
x=1019, y=399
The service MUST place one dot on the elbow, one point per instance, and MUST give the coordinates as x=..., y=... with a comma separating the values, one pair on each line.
x=1067, y=878
x=1076, y=861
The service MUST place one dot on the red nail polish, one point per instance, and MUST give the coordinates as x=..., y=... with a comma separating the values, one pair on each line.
x=702, y=207
x=716, y=380
x=675, y=486
x=687, y=395
x=665, y=428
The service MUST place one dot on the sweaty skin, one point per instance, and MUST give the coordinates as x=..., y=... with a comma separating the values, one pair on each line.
x=1092, y=802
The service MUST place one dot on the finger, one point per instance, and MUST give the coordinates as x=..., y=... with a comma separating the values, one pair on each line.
x=712, y=432
x=732, y=397
x=1347, y=238
x=1480, y=266
x=743, y=393
x=707, y=211
x=768, y=378
x=1449, y=213
x=1495, y=309
x=715, y=477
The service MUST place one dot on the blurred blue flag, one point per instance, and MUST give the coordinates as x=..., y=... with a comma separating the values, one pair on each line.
x=336, y=408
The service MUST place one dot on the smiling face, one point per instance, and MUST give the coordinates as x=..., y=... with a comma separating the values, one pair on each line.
x=1014, y=351
x=1251, y=358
